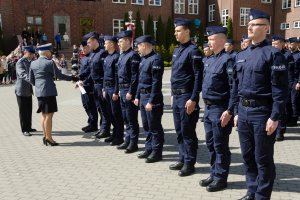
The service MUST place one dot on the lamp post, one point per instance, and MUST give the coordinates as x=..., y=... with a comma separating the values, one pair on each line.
x=130, y=26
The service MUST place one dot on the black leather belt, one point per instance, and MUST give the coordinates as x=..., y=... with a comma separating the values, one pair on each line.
x=180, y=91
x=108, y=83
x=215, y=102
x=145, y=91
x=255, y=103
x=124, y=86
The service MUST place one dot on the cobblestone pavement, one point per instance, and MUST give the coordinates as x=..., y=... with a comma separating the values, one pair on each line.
x=85, y=168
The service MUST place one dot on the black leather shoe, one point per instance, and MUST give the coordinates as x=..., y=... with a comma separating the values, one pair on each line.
x=26, y=133
x=123, y=146
x=144, y=154
x=186, y=170
x=176, y=166
x=247, y=197
x=279, y=138
x=32, y=130
x=90, y=129
x=109, y=139
x=102, y=134
x=154, y=157
x=131, y=148
x=83, y=128
x=216, y=186
x=117, y=142
x=206, y=182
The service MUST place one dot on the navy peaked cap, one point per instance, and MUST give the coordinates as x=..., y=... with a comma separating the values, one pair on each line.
x=277, y=37
x=182, y=22
x=293, y=39
x=90, y=35
x=258, y=14
x=45, y=47
x=110, y=38
x=144, y=38
x=29, y=48
x=122, y=34
x=83, y=43
x=211, y=30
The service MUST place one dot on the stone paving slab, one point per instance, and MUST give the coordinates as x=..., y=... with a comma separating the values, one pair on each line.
x=85, y=168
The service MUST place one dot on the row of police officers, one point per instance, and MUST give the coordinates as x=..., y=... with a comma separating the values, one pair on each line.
x=248, y=89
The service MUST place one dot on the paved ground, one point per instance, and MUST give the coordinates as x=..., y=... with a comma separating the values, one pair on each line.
x=84, y=168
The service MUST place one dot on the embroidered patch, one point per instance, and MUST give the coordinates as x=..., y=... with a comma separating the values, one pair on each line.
x=156, y=67
x=279, y=68
x=135, y=61
x=240, y=61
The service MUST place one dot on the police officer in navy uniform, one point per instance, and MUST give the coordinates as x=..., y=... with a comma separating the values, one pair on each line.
x=207, y=53
x=245, y=42
x=24, y=90
x=186, y=79
x=229, y=48
x=218, y=112
x=111, y=93
x=295, y=93
x=128, y=73
x=96, y=66
x=88, y=100
x=260, y=89
x=278, y=42
x=149, y=96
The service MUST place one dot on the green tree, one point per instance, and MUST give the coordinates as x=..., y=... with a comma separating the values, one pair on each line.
x=200, y=35
x=150, y=27
x=229, y=28
x=138, y=25
x=160, y=39
x=170, y=38
x=126, y=19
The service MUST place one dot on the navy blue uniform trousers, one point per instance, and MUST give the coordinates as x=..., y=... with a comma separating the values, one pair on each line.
x=102, y=109
x=185, y=126
x=217, y=141
x=130, y=117
x=115, y=113
x=257, y=150
x=152, y=125
x=89, y=105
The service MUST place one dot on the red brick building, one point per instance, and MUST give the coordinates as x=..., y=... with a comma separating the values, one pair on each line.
x=285, y=15
x=77, y=17
x=106, y=16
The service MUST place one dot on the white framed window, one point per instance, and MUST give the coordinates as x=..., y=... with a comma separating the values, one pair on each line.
x=119, y=1
x=266, y=1
x=143, y=25
x=193, y=7
x=284, y=26
x=244, y=16
x=211, y=12
x=225, y=16
x=155, y=2
x=118, y=25
x=296, y=24
x=286, y=4
x=137, y=2
x=155, y=28
x=179, y=6
x=297, y=3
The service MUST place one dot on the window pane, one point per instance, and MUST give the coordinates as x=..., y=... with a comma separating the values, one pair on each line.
x=38, y=20
x=29, y=20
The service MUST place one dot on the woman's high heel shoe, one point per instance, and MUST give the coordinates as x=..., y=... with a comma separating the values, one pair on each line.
x=51, y=143
x=44, y=141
